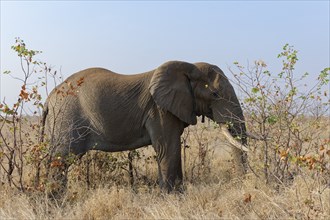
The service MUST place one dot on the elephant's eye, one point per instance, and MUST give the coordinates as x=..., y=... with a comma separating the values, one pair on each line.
x=215, y=95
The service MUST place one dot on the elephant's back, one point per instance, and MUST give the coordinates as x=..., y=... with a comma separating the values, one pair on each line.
x=92, y=74
x=104, y=77
x=89, y=81
x=65, y=99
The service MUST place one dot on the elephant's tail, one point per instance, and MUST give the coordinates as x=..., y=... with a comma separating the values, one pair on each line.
x=43, y=121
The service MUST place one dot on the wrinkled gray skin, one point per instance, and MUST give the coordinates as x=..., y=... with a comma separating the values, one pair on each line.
x=102, y=110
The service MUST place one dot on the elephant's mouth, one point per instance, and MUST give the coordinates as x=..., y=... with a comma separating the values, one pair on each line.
x=231, y=139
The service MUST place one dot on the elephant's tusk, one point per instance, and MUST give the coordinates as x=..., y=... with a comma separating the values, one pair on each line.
x=231, y=140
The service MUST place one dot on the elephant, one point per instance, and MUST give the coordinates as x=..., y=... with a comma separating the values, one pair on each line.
x=97, y=109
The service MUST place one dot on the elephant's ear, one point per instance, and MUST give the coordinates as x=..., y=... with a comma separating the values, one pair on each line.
x=171, y=89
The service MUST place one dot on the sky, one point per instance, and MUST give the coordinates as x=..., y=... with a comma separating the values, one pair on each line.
x=137, y=36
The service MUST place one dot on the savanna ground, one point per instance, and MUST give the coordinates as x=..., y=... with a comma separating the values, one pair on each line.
x=288, y=176
x=213, y=190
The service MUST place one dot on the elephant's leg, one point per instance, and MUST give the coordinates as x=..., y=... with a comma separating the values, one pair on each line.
x=169, y=164
x=168, y=169
x=63, y=155
x=179, y=181
x=57, y=171
x=165, y=137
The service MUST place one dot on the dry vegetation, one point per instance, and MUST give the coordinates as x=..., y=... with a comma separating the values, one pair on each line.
x=213, y=191
x=289, y=175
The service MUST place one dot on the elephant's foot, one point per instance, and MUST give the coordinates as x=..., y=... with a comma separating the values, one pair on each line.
x=180, y=188
x=175, y=186
x=57, y=182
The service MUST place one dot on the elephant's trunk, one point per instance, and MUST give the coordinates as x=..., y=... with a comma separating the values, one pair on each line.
x=230, y=114
x=232, y=124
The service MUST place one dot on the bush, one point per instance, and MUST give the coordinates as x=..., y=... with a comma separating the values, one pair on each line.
x=291, y=117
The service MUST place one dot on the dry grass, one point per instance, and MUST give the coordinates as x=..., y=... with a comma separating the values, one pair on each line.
x=246, y=199
x=213, y=190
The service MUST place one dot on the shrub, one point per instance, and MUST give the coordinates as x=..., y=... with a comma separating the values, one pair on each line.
x=290, y=115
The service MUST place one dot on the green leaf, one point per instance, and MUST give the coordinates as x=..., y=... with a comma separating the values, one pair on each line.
x=324, y=76
x=255, y=90
x=266, y=72
x=251, y=99
x=7, y=72
x=272, y=119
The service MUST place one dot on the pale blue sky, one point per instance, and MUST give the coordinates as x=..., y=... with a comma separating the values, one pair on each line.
x=131, y=37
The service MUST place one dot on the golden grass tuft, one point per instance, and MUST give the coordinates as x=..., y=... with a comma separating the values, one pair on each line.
x=247, y=198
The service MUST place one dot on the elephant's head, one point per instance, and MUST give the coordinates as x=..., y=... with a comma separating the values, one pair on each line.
x=215, y=98
x=201, y=89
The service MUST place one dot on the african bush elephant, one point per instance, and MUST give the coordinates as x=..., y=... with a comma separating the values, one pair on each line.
x=102, y=110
